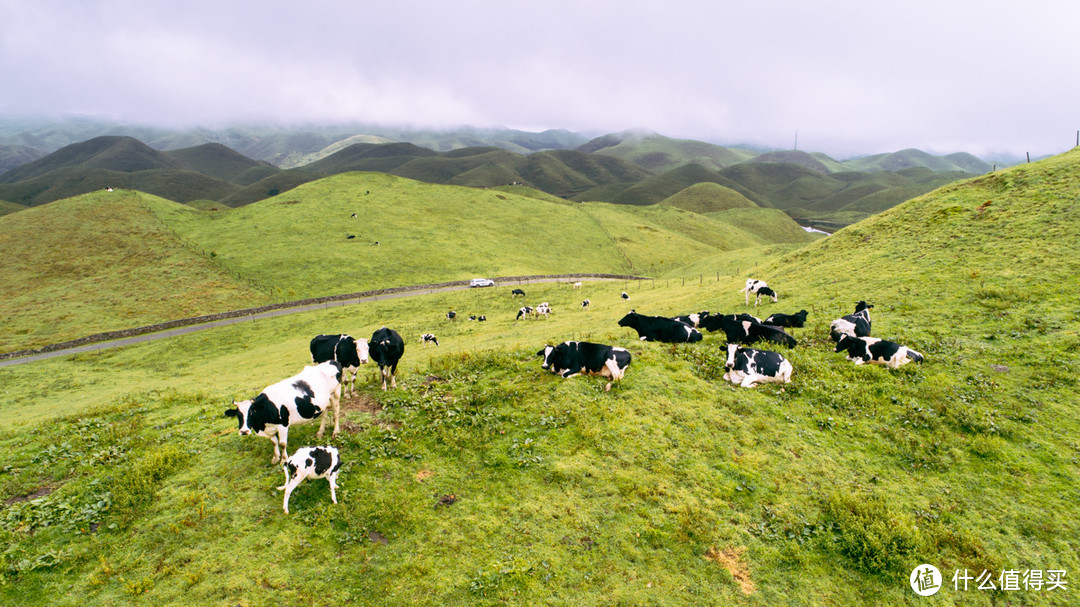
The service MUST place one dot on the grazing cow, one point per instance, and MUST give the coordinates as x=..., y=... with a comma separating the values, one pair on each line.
x=746, y=329
x=694, y=320
x=472, y=317
x=585, y=304
x=787, y=320
x=526, y=311
x=876, y=351
x=543, y=310
x=748, y=367
x=482, y=318
x=757, y=288
x=658, y=328
x=348, y=352
x=517, y=292
x=852, y=325
x=429, y=338
x=571, y=358
x=577, y=285
x=625, y=296
x=311, y=462
x=386, y=349
x=296, y=400
x=451, y=315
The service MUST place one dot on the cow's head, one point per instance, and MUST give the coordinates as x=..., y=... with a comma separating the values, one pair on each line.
x=546, y=353
x=241, y=412
x=844, y=343
x=862, y=305
x=732, y=348
x=630, y=320
x=362, y=350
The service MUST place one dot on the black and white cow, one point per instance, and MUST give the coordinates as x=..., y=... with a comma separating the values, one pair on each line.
x=746, y=329
x=311, y=462
x=585, y=304
x=543, y=310
x=429, y=338
x=451, y=315
x=516, y=292
x=862, y=350
x=757, y=288
x=349, y=352
x=481, y=318
x=386, y=350
x=526, y=312
x=852, y=325
x=572, y=358
x=291, y=402
x=625, y=296
x=694, y=320
x=795, y=321
x=748, y=367
x=659, y=328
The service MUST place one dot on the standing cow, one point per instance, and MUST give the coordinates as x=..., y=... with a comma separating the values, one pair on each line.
x=311, y=462
x=291, y=402
x=757, y=288
x=349, y=352
x=386, y=349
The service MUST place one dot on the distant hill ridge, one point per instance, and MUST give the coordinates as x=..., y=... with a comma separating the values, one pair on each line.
x=628, y=168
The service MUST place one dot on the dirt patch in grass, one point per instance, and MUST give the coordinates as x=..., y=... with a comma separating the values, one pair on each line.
x=360, y=402
x=731, y=559
x=42, y=492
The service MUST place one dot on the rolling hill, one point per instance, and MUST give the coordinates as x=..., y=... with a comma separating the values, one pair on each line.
x=306, y=243
x=484, y=480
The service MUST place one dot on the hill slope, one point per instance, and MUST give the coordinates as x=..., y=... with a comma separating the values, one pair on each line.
x=484, y=480
x=102, y=262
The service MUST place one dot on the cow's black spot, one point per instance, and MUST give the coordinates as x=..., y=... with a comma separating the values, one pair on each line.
x=323, y=460
x=304, y=405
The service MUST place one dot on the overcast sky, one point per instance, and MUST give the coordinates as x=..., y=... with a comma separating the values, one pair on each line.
x=851, y=77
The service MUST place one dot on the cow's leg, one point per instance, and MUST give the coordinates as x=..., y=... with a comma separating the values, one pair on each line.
x=333, y=487
x=335, y=406
x=383, y=370
x=749, y=381
x=283, y=438
x=292, y=484
x=393, y=376
x=277, y=449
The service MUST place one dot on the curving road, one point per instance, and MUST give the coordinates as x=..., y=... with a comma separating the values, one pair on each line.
x=167, y=333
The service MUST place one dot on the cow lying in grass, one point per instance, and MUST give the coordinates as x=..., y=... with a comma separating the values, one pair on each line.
x=572, y=358
x=876, y=351
x=748, y=367
x=852, y=325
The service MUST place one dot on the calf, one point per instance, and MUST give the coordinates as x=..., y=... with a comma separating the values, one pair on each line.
x=658, y=328
x=290, y=402
x=349, y=352
x=787, y=320
x=311, y=462
x=876, y=351
x=757, y=288
x=386, y=350
x=852, y=325
x=516, y=292
x=746, y=329
x=429, y=338
x=748, y=367
x=571, y=358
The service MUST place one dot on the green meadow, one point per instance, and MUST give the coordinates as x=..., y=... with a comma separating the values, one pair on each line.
x=484, y=480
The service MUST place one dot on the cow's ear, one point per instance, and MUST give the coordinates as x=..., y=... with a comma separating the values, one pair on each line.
x=541, y=352
x=231, y=412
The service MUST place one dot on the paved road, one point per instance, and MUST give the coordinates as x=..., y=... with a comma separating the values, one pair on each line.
x=116, y=343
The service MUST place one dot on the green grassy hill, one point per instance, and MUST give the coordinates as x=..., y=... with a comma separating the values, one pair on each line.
x=103, y=262
x=708, y=197
x=661, y=154
x=297, y=245
x=485, y=481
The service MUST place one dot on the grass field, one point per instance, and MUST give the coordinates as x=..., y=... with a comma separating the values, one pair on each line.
x=484, y=480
